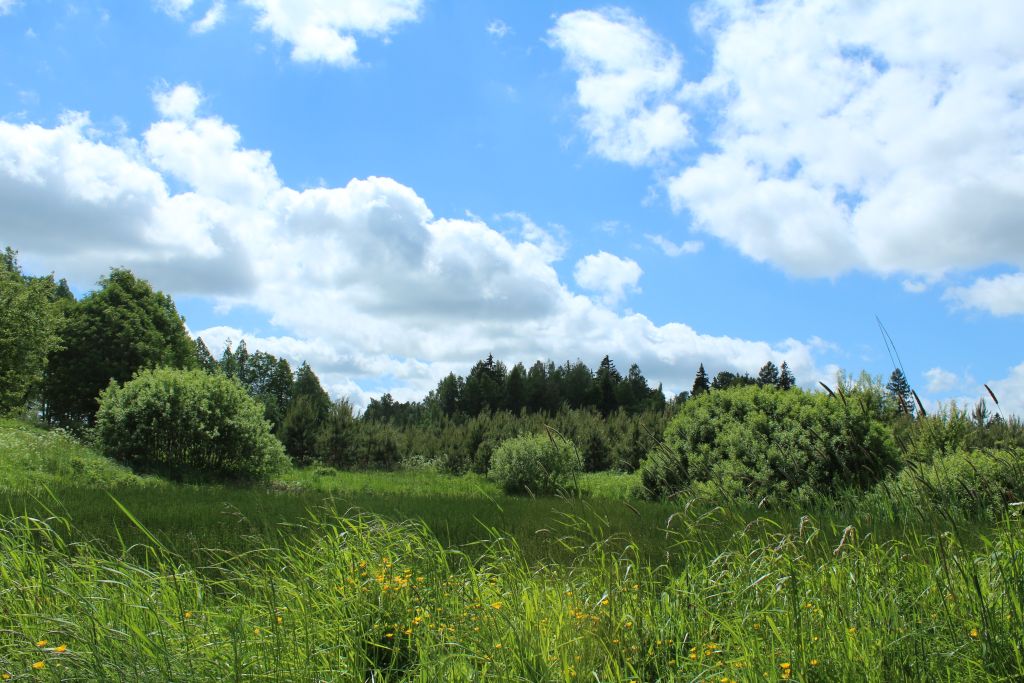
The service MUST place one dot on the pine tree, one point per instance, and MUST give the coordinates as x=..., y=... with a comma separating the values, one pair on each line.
x=204, y=358
x=768, y=375
x=786, y=378
x=900, y=392
x=701, y=383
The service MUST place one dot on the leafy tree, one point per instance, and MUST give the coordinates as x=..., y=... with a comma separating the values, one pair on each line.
x=786, y=378
x=700, y=382
x=121, y=328
x=541, y=392
x=29, y=319
x=485, y=387
x=185, y=422
x=899, y=392
x=768, y=375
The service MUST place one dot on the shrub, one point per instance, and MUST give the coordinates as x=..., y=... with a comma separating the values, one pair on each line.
x=974, y=482
x=759, y=442
x=534, y=464
x=187, y=422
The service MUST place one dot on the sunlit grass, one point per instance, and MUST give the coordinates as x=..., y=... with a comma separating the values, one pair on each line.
x=448, y=580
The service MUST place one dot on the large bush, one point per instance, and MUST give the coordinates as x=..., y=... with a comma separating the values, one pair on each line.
x=186, y=422
x=760, y=442
x=534, y=464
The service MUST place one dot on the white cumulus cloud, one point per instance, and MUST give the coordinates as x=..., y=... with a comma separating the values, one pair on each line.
x=608, y=274
x=324, y=30
x=880, y=136
x=363, y=279
x=627, y=77
x=1002, y=295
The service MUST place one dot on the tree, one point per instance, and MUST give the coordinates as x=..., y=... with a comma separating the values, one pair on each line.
x=29, y=319
x=786, y=378
x=768, y=375
x=187, y=421
x=307, y=409
x=899, y=391
x=115, y=331
x=515, y=389
x=205, y=359
x=700, y=382
x=449, y=394
x=606, y=381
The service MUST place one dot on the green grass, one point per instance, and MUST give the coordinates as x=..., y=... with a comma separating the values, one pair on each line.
x=448, y=580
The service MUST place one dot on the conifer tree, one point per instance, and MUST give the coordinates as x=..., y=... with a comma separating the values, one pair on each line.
x=786, y=378
x=900, y=392
x=701, y=383
x=768, y=375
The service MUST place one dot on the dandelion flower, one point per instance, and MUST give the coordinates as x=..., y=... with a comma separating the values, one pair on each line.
x=42, y=643
x=60, y=648
x=188, y=615
x=815, y=662
x=39, y=665
x=974, y=633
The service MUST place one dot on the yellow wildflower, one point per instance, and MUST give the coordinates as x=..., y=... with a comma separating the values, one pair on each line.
x=60, y=648
x=39, y=665
x=42, y=643
x=974, y=633
x=495, y=605
x=815, y=662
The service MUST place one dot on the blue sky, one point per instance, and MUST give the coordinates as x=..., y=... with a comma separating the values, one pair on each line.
x=393, y=189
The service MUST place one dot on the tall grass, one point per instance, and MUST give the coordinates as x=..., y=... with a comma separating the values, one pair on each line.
x=361, y=598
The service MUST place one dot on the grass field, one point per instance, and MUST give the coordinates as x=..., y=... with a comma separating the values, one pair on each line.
x=416, y=576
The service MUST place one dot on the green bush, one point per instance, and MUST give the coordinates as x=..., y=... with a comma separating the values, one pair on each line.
x=974, y=482
x=534, y=464
x=187, y=422
x=755, y=442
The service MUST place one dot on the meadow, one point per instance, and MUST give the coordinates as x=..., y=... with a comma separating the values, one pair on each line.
x=415, y=575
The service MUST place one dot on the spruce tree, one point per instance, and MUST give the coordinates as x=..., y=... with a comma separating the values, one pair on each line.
x=786, y=378
x=701, y=383
x=900, y=392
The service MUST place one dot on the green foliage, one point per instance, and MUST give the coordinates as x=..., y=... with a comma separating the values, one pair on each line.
x=537, y=464
x=973, y=482
x=29, y=318
x=759, y=442
x=335, y=441
x=701, y=384
x=122, y=327
x=187, y=422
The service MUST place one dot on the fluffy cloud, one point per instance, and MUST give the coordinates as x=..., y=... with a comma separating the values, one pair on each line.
x=363, y=280
x=322, y=30
x=180, y=102
x=920, y=107
x=627, y=76
x=1002, y=295
x=672, y=249
x=6, y=6
x=608, y=274
x=878, y=136
x=213, y=17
